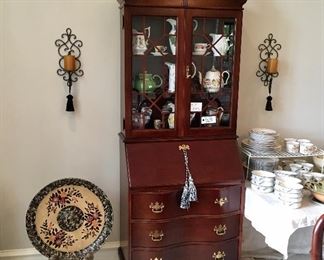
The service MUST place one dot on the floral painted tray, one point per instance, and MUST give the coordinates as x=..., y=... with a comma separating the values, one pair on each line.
x=69, y=218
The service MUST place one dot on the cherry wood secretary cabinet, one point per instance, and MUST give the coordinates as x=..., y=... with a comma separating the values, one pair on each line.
x=180, y=79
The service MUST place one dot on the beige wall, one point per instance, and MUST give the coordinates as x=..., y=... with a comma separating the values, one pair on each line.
x=40, y=142
x=298, y=92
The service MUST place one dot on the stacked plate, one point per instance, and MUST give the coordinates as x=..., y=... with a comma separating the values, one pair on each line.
x=262, y=140
x=289, y=191
x=262, y=181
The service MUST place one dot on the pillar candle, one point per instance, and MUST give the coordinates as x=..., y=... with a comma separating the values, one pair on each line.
x=69, y=63
x=272, y=66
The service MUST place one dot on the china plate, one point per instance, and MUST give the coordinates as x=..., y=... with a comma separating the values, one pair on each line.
x=159, y=53
x=69, y=218
x=263, y=131
x=201, y=53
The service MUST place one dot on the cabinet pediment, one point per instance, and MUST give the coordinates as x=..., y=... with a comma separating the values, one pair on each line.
x=217, y=4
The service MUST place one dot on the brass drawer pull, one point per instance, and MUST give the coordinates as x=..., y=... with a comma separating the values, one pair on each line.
x=156, y=207
x=221, y=201
x=219, y=255
x=156, y=235
x=156, y=258
x=220, y=230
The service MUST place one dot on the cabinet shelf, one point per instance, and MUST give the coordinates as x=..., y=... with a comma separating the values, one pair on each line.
x=248, y=155
x=280, y=154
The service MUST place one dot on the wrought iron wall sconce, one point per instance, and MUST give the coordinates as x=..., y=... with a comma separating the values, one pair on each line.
x=69, y=62
x=268, y=66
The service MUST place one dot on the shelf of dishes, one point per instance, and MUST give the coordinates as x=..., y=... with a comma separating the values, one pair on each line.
x=218, y=31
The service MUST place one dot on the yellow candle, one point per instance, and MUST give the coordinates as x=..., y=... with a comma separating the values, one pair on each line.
x=69, y=63
x=272, y=66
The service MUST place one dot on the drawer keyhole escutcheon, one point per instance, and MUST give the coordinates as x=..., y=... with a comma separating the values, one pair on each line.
x=220, y=230
x=221, y=201
x=156, y=207
x=156, y=235
x=219, y=255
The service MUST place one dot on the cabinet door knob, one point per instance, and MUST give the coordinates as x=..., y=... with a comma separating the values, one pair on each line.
x=156, y=258
x=156, y=207
x=221, y=201
x=219, y=255
x=156, y=235
x=220, y=230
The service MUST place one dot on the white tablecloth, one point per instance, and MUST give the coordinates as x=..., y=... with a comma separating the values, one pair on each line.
x=277, y=222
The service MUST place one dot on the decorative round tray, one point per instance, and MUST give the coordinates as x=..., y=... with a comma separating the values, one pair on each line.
x=69, y=218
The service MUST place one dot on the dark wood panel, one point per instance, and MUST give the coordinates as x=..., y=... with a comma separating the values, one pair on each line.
x=162, y=164
x=165, y=204
x=189, y=252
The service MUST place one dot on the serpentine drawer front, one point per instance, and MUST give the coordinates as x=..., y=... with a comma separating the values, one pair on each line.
x=224, y=250
x=184, y=230
x=165, y=204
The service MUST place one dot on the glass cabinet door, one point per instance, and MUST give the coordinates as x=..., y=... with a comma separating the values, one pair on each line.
x=212, y=56
x=153, y=70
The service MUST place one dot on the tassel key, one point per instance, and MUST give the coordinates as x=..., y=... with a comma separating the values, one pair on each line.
x=69, y=104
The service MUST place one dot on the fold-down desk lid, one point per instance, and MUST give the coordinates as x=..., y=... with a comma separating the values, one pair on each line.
x=162, y=163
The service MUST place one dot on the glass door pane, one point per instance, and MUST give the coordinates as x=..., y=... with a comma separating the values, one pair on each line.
x=153, y=72
x=212, y=60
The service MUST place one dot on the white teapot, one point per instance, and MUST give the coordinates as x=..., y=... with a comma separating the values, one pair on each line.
x=140, y=41
x=214, y=80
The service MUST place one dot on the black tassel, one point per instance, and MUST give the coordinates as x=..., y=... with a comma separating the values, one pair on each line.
x=269, y=98
x=69, y=104
x=269, y=105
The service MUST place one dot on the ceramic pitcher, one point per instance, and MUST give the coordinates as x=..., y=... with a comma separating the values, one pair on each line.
x=221, y=44
x=140, y=41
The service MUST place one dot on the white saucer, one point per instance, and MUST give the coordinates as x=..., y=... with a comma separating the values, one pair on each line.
x=159, y=53
x=200, y=53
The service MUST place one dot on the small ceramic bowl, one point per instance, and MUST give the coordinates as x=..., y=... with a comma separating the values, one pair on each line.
x=293, y=205
x=317, y=176
x=307, y=176
x=295, y=167
x=307, y=166
x=261, y=189
x=286, y=173
x=289, y=187
x=285, y=178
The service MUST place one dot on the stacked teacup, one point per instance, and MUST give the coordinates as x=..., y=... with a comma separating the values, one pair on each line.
x=303, y=146
x=289, y=191
x=262, y=181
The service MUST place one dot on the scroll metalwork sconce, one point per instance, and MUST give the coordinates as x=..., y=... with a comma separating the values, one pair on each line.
x=69, y=62
x=268, y=66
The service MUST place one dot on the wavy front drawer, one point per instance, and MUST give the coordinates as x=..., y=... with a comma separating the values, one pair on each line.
x=165, y=204
x=224, y=250
x=183, y=230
